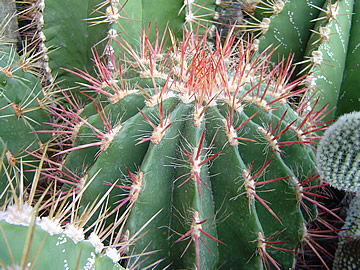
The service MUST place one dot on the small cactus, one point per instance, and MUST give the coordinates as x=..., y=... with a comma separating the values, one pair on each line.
x=347, y=255
x=338, y=153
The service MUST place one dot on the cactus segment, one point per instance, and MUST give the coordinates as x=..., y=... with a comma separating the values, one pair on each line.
x=68, y=37
x=126, y=149
x=86, y=139
x=347, y=253
x=22, y=108
x=157, y=173
x=338, y=154
x=326, y=53
x=46, y=251
x=286, y=24
x=349, y=94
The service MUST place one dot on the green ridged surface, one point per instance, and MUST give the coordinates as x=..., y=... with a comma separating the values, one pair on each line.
x=20, y=90
x=329, y=73
x=162, y=163
x=69, y=38
x=47, y=251
x=289, y=29
x=349, y=96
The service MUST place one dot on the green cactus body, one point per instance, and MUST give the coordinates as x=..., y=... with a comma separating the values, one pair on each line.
x=326, y=53
x=22, y=109
x=180, y=156
x=47, y=251
x=349, y=95
x=322, y=35
x=286, y=24
x=67, y=36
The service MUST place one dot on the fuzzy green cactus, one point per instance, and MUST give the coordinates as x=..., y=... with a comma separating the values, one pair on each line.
x=348, y=252
x=338, y=154
x=338, y=161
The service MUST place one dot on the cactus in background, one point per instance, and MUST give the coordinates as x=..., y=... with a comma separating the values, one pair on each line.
x=323, y=35
x=338, y=154
x=347, y=255
x=338, y=161
x=22, y=110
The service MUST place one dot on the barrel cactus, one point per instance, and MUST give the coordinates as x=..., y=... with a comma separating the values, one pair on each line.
x=201, y=148
x=208, y=137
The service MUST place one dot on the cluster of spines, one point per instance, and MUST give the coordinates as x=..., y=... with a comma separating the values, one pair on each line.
x=48, y=222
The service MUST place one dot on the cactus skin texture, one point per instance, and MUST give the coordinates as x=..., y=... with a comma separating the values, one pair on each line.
x=214, y=146
x=47, y=251
x=28, y=241
x=22, y=112
x=347, y=255
x=338, y=161
x=324, y=38
x=338, y=153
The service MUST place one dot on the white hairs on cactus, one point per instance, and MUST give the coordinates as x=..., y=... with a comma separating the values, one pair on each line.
x=338, y=154
x=346, y=256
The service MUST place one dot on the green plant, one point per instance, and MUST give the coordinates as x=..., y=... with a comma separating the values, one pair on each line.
x=347, y=253
x=338, y=161
x=22, y=112
x=338, y=153
x=29, y=240
x=201, y=143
